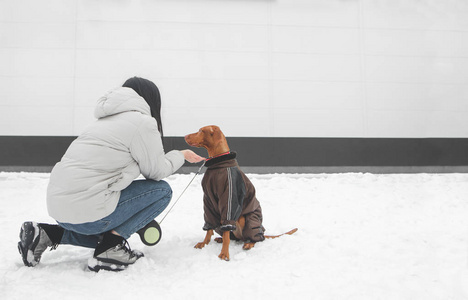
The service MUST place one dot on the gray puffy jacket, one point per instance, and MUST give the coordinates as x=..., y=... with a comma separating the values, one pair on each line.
x=122, y=144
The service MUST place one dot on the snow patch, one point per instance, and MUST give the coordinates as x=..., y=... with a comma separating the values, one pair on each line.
x=361, y=236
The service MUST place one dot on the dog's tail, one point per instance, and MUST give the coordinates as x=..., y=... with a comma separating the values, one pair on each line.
x=276, y=236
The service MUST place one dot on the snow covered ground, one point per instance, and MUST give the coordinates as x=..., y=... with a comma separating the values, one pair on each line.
x=361, y=236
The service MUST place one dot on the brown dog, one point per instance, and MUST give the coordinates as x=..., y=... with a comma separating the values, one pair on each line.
x=230, y=206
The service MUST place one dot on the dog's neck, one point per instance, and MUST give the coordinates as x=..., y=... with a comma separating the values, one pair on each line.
x=221, y=154
x=220, y=149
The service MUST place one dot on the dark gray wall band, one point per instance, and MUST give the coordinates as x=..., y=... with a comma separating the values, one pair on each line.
x=280, y=153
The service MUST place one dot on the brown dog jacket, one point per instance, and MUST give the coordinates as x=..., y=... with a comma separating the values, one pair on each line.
x=229, y=194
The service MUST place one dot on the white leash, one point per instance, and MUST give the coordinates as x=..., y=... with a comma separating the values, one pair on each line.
x=198, y=172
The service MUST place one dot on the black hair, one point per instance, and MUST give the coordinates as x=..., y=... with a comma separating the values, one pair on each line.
x=150, y=92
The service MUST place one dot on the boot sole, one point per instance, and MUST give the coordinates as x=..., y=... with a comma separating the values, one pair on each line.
x=97, y=265
x=27, y=237
x=24, y=255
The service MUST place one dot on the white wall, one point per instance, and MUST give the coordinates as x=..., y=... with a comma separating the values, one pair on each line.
x=306, y=68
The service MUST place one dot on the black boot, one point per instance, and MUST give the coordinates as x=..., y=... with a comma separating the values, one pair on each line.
x=55, y=232
x=108, y=241
x=151, y=234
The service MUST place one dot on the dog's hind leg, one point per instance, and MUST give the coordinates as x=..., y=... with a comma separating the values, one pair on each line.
x=248, y=246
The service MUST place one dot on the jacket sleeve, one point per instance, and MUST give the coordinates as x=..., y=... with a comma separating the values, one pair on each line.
x=211, y=218
x=147, y=150
x=231, y=199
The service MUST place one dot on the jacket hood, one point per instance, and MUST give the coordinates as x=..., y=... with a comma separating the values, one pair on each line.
x=120, y=100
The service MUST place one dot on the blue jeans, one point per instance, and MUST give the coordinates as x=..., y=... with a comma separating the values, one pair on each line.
x=140, y=203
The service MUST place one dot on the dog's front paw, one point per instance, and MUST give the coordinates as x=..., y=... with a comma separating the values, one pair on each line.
x=224, y=255
x=200, y=245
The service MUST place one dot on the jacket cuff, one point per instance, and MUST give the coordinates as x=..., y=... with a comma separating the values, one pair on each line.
x=228, y=226
x=208, y=226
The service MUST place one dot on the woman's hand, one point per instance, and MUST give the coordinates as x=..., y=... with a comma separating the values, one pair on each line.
x=191, y=156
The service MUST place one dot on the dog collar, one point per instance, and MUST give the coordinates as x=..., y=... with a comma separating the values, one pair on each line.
x=210, y=161
x=225, y=153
